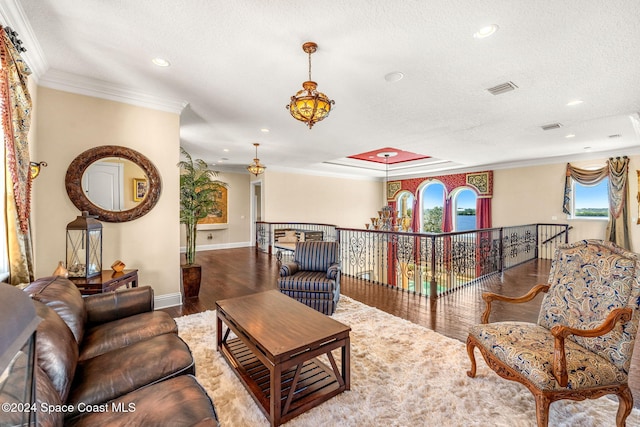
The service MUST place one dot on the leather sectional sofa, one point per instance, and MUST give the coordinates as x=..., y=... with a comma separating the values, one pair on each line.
x=110, y=359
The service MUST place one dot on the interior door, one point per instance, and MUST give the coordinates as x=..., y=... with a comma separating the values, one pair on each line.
x=102, y=183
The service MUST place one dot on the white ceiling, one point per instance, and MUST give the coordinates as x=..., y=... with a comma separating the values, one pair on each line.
x=235, y=64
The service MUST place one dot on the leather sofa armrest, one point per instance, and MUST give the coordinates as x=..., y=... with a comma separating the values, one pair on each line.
x=289, y=269
x=102, y=308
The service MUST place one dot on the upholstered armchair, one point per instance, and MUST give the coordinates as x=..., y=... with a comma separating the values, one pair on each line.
x=582, y=344
x=313, y=278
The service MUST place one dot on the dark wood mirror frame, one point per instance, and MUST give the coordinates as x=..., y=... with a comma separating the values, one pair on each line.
x=73, y=183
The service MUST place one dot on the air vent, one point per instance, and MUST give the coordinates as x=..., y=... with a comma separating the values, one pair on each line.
x=551, y=126
x=502, y=88
x=617, y=135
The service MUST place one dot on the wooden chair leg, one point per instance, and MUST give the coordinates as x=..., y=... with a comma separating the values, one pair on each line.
x=625, y=405
x=542, y=409
x=470, y=350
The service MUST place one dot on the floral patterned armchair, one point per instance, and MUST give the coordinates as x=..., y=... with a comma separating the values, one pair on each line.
x=582, y=344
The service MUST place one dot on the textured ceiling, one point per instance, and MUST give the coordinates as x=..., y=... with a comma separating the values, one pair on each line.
x=235, y=64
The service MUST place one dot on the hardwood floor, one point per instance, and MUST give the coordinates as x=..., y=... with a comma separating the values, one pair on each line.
x=230, y=273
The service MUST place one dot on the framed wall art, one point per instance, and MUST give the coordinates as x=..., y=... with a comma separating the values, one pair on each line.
x=220, y=215
x=140, y=186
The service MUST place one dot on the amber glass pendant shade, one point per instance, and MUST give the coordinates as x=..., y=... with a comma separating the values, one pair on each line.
x=308, y=105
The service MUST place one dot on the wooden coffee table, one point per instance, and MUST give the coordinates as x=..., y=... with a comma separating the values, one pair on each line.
x=275, y=352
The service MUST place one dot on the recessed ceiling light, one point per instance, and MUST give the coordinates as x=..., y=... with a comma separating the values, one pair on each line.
x=485, y=31
x=394, y=76
x=160, y=62
x=265, y=130
x=226, y=150
x=574, y=102
x=571, y=135
x=384, y=154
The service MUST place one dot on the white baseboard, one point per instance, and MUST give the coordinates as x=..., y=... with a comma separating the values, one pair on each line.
x=217, y=246
x=167, y=300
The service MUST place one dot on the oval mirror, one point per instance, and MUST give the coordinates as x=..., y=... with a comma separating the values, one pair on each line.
x=115, y=183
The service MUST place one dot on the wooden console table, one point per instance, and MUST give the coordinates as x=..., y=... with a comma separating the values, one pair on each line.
x=107, y=281
x=276, y=351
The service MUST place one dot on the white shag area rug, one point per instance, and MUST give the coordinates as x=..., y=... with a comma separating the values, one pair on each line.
x=402, y=374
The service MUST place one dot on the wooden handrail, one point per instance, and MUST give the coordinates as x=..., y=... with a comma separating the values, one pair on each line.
x=558, y=234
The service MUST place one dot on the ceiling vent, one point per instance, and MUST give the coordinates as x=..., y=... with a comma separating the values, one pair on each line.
x=617, y=135
x=551, y=126
x=502, y=88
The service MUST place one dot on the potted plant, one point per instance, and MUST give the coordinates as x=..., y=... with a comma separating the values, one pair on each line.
x=198, y=189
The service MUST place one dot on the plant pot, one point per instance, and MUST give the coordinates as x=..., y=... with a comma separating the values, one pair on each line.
x=191, y=275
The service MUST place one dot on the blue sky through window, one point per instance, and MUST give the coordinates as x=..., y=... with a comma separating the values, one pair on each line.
x=594, y=196
x=466, y=200
x=433, y=196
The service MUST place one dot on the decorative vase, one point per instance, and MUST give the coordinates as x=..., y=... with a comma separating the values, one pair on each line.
x=191, y=276
x=61, y=270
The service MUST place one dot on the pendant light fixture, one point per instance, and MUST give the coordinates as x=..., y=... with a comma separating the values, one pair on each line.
x=256, y=167
x=309, y=105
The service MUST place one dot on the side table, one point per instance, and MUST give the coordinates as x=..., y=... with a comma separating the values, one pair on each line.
x=107, y=281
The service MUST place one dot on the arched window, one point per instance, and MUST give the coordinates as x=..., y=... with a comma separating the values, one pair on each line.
x=432, y=207
x=405, y=204
x=464, y=210
x=404, y=207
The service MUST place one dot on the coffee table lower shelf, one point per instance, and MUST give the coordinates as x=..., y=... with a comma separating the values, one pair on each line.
x=316, y=383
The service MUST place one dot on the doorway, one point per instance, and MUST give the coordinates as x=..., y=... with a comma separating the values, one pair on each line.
x=256, y=208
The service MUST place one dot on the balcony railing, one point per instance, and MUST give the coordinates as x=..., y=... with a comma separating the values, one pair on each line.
x=430, y=264
x=267, y=232
x=434, y=264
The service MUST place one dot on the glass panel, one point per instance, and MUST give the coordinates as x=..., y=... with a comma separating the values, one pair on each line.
x=465, y=211
x=591, y=200
x=76, y=253
x=16, y=387
x=95, y=253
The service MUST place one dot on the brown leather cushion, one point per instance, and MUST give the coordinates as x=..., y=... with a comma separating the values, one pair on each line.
x=109, y=336
x=118, y=372
x=56, y=349
x=64, y=297
x=178, y=401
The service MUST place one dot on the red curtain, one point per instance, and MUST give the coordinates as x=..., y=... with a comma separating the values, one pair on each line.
x=447, y=218
x=483, y=212
x=416, y=213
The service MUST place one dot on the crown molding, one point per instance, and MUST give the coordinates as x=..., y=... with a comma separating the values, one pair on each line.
x=13, y=16
x=82, y=85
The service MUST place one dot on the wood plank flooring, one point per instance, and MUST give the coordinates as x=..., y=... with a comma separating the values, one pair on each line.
x=230, y=273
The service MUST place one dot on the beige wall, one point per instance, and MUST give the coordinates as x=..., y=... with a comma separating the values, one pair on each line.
x=237, y=232
x=69, y=124
x=535, y=194
x=347, y=203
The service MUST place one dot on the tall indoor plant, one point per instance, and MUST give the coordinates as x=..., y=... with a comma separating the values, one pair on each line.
x=198, y=189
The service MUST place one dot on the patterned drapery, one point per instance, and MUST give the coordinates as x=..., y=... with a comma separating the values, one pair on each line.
x=618, y=228
x=16, y=120
x=617, y=171
x=583, y=176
